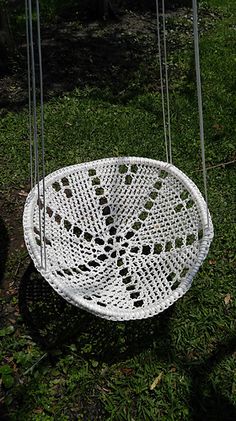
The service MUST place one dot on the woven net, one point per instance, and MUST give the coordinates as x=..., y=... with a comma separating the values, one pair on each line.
x=124, y=236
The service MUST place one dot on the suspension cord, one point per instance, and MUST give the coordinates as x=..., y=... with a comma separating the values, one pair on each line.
x=33, y=119
x=42, y=129
x=29, y=94
x=199, y=94
x=161, y=78
x=167, y=82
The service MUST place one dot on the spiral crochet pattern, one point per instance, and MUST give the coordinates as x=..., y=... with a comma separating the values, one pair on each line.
x=124, y=236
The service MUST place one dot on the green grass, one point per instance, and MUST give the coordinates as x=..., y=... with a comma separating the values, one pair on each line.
x=107, y=370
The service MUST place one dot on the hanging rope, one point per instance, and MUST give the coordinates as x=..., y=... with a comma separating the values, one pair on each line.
x=167, y=81
x=164, y=76
x=199, y=94
x=29, y=94
x=42, y=128
x=161, y=78
x=33, y=121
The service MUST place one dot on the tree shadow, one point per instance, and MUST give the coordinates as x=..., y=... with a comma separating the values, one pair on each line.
x=53, y=323
x=4, y=246
x=206, y=401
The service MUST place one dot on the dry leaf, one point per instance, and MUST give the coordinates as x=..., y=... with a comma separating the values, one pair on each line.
x=228, y=299
x=212, y=262
x=127, y=371
x=157, y=381
x=23, y=193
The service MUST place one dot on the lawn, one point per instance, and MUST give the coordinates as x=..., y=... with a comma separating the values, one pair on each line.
x=63, y=364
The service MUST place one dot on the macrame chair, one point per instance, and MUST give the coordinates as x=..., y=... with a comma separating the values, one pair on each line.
x=120, y=237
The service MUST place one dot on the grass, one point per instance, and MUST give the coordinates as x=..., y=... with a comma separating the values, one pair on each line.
x=107, y=370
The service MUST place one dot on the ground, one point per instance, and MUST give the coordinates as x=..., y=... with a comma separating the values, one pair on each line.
x=102, y=94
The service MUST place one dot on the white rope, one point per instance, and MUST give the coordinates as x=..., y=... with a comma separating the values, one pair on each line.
x=42, y=129
x=35, y=126
x=161, y=78
x=167, y=82
x=29, y=94
x=199, y=94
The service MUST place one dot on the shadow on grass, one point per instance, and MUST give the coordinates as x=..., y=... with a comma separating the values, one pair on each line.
x=4, y=245
x=54, y=323
x=206, y=402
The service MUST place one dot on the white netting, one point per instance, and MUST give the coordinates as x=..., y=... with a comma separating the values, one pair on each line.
x=124, y=236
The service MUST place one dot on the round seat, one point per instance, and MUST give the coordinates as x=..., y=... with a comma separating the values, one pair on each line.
x=124, y=237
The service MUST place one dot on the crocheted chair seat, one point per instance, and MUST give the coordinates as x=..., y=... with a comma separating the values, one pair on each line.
x=124, y=236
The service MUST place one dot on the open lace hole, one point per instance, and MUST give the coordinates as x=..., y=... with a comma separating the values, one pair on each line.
x=102, y=257
x=129, y=235
x=99, y=241
x=84, y=268
x=158, y=185
x=189, y=204
x=103, y=201
x=157, y=248
x=77, y=231
x=65, y=181
x=138, y=303
x=178, y=207
x=123, y=169
x=171, y=276
x=127, y=280
x=88, y=236
x=135, y=295
x=93, y=264
x=112, y=231
x=153, y=195
x=128, y=179
x=96, y=181
x=134, y=168
x=190, y=239
x=148, y=205
x=109, y=220
x=99, y=191
x=184, y=272
x=49, y=211
x=101, y=304
x=120, y=262
x=106, y=211
x=56, y=186
x=163, y=174
x=58, y=219
x=178, y=242
x=68, y=193
x=143, y=215
x=146, y=250
x=174, y=285
x=168, y=246
x=130, y=288
x=91, y=172
x=136, y=226
x=200, y=234
x=67, y=225
x=184, y=195
x=123, y=272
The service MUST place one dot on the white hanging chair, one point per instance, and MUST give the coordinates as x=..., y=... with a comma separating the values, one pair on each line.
x=119, y=237
x=124, y=236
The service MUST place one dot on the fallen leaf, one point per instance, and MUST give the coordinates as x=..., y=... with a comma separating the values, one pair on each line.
x=228, y=299
x=23, y=193
x=127, y=371
x=212, y=262
x=157, y=381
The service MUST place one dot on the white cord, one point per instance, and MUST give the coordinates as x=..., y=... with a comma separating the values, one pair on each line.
x=199, y=94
